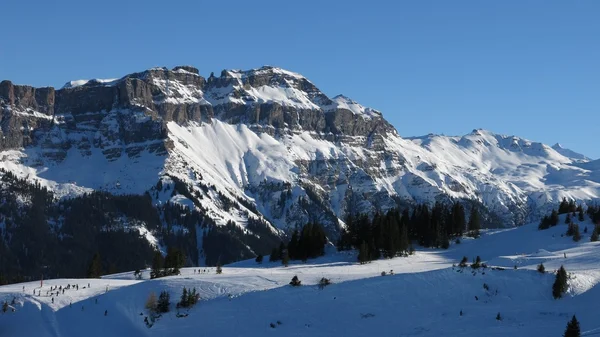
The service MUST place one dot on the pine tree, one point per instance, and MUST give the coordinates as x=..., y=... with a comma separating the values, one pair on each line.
x=184, y=302
x=580, y=216
x=259, y=259
x=463, y=262
x=498, y=317
x=573, y=329
x=285, y=260
x=474, y=223
x=541, y=268
x=219, y=269
x=174, y=261
x=568, y=218
x=95, y=268
x=5, y=307
x=560, y=285
x=595, y=234
x=274, y=255
x=157, y=265
x=576, y=234
x=295, y=281
x=477, y=263
x=563, y=207
x=164, y=301
x=554, y=218
x=363, y=253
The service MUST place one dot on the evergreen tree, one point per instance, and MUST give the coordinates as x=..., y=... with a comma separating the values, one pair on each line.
x=274, y=255
x=184, y=301
x=259, y=259
x=174, y=261
x=576, y=234
x=541, y=268
x=5, y=307
x=498, y=317
x=573, y=329
x=554, y=218
x=474, y=223
x=560, y=285
x=544, y=223
x=568, y=218
x=157, y=265
x=477, y=263
x=458, y=223
x=285, y=260
x=580, y=216
x=219, y=269
x=463, y=262
x=95, y=268
x=363, y=253
x=564, y=206
x=595, y=233
x=295, y=281
x=164, y=301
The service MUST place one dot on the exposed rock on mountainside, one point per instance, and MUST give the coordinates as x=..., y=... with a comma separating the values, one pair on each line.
x=266, y=147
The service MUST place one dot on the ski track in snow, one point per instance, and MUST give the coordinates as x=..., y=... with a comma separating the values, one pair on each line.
x=423, y=298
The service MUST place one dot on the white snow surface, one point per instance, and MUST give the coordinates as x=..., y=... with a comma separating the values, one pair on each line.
x=78, y=83
x=570, y=153
x=343, y=102
x=423, y=298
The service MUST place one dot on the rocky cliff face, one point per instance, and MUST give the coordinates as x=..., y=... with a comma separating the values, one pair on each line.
x=266, y=144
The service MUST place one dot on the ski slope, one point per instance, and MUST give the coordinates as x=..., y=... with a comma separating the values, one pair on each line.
x=424, y=297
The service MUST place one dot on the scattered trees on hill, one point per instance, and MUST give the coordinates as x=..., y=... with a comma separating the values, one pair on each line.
x=593, y=212
x=188, y=298
x=573, y=329
x=560, y=285
x=164, y=301
x=549, y=221
x=573, y=230
x=567, y=206
x=169, y=265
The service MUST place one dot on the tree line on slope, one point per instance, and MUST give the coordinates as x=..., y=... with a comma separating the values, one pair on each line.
x=391, y=234
x=98, y=233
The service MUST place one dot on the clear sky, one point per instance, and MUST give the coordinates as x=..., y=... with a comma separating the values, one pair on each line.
x=525, y=68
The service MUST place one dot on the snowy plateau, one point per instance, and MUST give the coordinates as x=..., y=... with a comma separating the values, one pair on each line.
x=425, y=296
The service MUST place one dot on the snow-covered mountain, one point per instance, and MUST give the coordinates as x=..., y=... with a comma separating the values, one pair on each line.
x=267, y=145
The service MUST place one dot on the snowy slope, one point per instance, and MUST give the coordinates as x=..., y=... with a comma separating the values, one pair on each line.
x=570, y=153
x=423, y=298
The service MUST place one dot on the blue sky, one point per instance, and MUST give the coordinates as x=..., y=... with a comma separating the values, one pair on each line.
x=526, y=68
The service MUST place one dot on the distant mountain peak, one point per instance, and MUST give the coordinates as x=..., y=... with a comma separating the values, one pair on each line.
x=575, y=156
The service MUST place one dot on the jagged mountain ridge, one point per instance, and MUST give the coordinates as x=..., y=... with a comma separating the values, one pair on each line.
x=267, y=144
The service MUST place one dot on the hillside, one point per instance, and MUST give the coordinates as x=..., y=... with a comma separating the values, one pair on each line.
x=227, y=166
x=423, y=298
